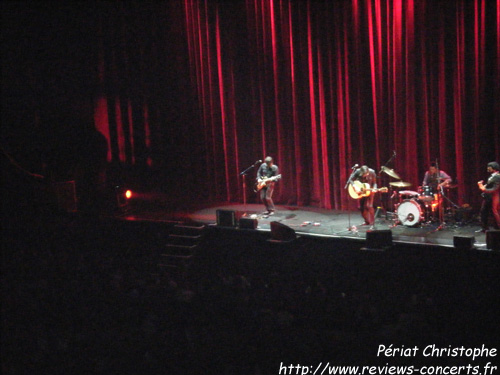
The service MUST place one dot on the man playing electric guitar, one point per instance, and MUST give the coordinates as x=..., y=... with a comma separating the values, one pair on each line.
x=366, y=175
x=267, y=175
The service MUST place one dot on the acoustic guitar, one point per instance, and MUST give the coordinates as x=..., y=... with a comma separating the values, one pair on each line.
x=358, y=190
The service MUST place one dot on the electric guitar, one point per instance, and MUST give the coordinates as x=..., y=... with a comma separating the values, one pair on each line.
x=262, y=182
x=358, y=190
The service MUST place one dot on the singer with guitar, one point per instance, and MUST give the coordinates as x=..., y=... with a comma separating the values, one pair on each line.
x=491, y=197
x=364, y=183
x=267, y=176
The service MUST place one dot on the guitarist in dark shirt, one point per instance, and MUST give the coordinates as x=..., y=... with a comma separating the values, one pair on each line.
x=367, y=175
x=267, y=175
x=491, y=197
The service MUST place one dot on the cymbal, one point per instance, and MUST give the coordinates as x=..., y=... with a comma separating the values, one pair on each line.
x=390, y=172
x=400, y=184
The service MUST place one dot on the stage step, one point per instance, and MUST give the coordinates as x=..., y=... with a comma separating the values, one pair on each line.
x=183, y=239
x=179, y=249
x=187, y=230
x=184, y=236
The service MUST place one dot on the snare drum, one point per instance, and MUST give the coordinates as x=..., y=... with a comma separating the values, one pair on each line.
x=425, y=193
x=410, y=212
x=408, y=194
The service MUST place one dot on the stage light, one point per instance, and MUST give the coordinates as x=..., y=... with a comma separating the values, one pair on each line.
x=122, y=197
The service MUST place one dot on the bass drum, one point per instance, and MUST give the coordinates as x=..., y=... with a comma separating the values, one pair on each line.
x=410, y=213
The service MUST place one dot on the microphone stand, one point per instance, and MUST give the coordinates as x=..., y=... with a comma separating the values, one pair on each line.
x=244, y=174
x=350, y=178
x=350, y=228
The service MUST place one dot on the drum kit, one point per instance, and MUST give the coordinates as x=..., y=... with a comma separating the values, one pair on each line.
x=414, y=208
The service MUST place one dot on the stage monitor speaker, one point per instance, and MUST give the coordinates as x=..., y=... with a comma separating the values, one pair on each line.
x=226, y=218
x=247, y=223
x=281, y=233
x=464, y=242
x=493, y=239
x=378, y=239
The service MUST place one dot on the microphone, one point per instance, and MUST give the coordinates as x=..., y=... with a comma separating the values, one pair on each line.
x=394, y=152
x=355, y=166
x=257, y=162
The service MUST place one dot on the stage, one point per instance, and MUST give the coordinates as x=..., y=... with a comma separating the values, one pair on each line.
x=313, y=222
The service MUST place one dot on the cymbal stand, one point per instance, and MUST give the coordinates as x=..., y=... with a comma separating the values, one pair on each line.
x=450, y=201
x=441, y=194
x=393, y=215
x=379, y=176
x=453, y=204
x=387, y=162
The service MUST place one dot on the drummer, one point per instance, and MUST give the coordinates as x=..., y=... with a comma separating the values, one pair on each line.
x=435, y=178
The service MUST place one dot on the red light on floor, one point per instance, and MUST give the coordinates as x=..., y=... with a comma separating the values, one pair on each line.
x=128, y=194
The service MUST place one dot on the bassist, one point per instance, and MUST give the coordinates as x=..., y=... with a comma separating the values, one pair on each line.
x=268, y=170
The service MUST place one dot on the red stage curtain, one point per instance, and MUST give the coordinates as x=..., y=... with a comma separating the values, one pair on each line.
x=318, y=85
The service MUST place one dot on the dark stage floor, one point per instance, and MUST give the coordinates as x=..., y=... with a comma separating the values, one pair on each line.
x=316, y=222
